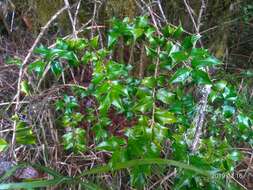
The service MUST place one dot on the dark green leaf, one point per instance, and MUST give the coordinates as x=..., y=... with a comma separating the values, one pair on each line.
x=181, y=75
x=56, y=67
x=199, y=53
x=179, y=30
x=180, y=56
x=220, y=85
x=228, y=111
x=190, y=41
x=149, y=82
x=201, y=77
x=145, y=104
x=165, y=96
x=207, y=62
x=38, y=67
x=165, y=117
x=86, y=57
x=111, y=144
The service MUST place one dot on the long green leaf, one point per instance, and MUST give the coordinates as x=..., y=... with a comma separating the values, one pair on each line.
x=33, y=184
x=139, y=162
x=99, y=170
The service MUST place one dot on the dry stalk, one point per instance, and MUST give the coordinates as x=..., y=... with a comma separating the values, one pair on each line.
x=17, y=97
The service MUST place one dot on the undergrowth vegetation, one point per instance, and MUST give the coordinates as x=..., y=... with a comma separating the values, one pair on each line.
x=139, y=120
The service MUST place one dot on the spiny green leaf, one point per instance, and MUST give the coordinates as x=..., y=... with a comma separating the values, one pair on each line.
x=165, y=96
x=111, y=144
x=180, y=56
x=228, y=111
x=75, y=140
x=190, y=41
x=201, y=77
x=210, y=61
x=179, y=30
x=165, y=117
x=151, y=52
x=199, y=53
x=38, y=67
x=86, y=57
x=145, y=104
x=137, y=32
x=56, y=67
x=168, y=31
x=149, y=82
x=220, y=85
x=42, y=50
x=243, y=119
x=181, y=75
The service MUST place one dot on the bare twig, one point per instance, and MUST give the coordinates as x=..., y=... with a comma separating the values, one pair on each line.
x=76, y=13
x=152, y=17
x=70, y=18
x=17, y=97
x=53, y=45
x=161, y=10
x=8, y=103
x=156, y=64
x=141, y=71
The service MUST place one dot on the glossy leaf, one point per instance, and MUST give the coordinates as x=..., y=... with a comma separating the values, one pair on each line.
x=190, y=41
x=56, y=68
x=165, y=117
x=165, y=96
x=180, y=56
x=201, y=77
x=181, y=75
x=228, y=111
x=210, y=61
x=38, y=67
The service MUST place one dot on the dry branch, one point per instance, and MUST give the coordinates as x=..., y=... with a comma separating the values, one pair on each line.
x=17, y=97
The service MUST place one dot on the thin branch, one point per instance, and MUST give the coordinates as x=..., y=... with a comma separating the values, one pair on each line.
x=17, y=97
x=156, y=64
x=152, y=17
x=76, y=13
x=161, y=10
x=70, y=18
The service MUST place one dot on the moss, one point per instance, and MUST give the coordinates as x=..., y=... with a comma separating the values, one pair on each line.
x=121, y=8
x=45, y=9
